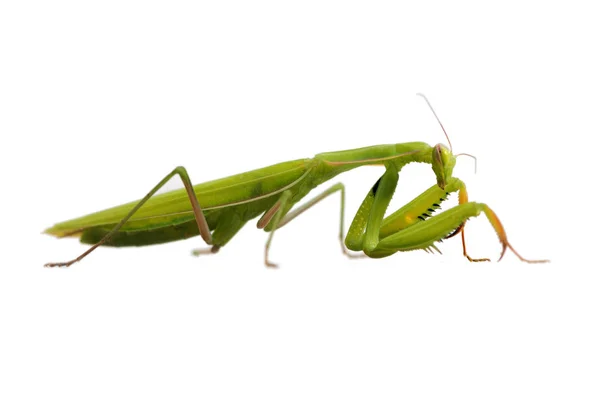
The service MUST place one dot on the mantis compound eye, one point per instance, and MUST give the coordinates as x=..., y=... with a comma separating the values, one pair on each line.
x=437, y=154
x=442, y=164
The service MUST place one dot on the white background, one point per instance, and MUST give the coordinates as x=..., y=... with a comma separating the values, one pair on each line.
x=99, y=102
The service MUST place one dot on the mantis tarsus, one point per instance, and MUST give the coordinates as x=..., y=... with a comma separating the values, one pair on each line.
x=217, y=210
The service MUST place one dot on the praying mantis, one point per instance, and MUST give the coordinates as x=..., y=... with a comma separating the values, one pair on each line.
x=218, y=209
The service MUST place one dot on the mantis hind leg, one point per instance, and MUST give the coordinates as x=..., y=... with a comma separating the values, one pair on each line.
x=198, y=215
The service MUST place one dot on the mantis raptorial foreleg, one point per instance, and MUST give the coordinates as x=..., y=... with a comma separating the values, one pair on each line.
x=412, y=227
x=363, y=234
x=271, y=214
x=423, y=206
x=439, y=226
x=368, y=227
x=198, y=215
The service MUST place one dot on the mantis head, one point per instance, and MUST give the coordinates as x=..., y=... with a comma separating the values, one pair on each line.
x=442, y=162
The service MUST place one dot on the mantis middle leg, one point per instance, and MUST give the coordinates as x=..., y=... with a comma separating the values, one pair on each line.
x=278, y=216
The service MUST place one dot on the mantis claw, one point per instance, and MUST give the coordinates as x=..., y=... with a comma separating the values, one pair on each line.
x=210, y=250
x=60, y=264
x=351, y=255
x=524, y=259
x=504, y=245
x=477, y=259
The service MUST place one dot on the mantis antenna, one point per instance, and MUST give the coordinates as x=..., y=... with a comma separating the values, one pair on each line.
x=470, y=155
x=436, y=117
x=440, y=122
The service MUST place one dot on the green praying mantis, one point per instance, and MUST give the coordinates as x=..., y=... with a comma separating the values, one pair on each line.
x=218, y=209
